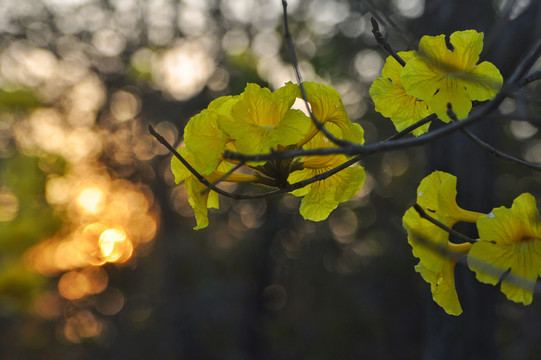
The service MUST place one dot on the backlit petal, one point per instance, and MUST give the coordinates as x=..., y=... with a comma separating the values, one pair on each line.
x=510, y=239
x=440, y=76
x=392, y=101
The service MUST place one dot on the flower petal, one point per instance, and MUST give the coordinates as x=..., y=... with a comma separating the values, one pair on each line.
x=442, y=286
x=326, y=105
x=199, y=202
x=485, y=83
x=293, y=128
x=437, y=192
x=440, y=76
x=510, y=239
x=323, y=196
x=262, y=120
x=425, y=239
x=404, y=110
x=205, y=140
x=180, y=171
x=467, y=46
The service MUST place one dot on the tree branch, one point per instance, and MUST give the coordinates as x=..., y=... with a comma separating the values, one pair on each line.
x=289, y=42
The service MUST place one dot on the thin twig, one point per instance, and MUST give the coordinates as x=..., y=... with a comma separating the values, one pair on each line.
x=459, y=235
x=495, y=152
x=529, y=79
x=489, y=148
x=384, y=44
x=291, y=49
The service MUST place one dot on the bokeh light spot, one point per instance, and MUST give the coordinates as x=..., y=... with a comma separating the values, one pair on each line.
x=124, y=105
x=110, y=302
x=184, y=70
x=368, y=64
x=81, y=325
x=115, y=245
x=91, y=200
x=343, y=223
x=73, y=285
x=9, y=205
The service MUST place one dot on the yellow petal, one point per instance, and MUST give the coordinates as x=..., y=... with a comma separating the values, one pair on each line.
x=437, y=192
x=179, y=170
x=392, y=101
x=392, y=69
x=430, y=244
x=440, y=76
x=467, y=45
x=491, y=261
x=262, y=120
x=404, y=110
x=510, y=239
x=442, y=286
x=326, y=105
x=205, y=140
x=489, y=81
x=284, y=97
x=292, y=128
x=322, y=197
x=199, y=202
x=508, y=226
x=426, y=240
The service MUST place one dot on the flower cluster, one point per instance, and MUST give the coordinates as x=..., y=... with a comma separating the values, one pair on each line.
x=259, y=121
x=433, y=77
x=509, y=241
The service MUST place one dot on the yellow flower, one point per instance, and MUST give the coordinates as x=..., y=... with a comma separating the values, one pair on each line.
x=322, y=197
x=437, y=195
x=199, y=202
x=392, y=101
x=203, y=136
x=510, y=239
x=439, y=76
x=261, y=120
x=326, y=105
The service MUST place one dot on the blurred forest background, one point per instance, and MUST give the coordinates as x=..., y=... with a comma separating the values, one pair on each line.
x=98, y=259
